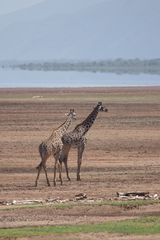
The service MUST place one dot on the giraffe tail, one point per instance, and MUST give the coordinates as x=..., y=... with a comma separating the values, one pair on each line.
x=39, y=165
x=42, y=152
x=63, y=157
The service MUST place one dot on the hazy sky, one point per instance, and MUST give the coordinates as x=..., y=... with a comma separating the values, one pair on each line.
x=7, y=6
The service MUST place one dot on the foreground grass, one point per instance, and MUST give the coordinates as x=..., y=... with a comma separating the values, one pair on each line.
x=140, y=226
x=70, y=205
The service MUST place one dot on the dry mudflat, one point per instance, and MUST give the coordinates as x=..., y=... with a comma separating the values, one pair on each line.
x=122, y=154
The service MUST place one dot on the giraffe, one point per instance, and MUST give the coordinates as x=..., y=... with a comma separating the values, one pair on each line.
x=53, y=146
x=76, y=138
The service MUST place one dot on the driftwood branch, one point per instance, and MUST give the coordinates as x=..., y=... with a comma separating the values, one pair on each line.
x=133, y=194
x=136, y=195
x=80, y=196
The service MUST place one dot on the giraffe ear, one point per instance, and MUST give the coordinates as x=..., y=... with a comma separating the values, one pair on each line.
x=99, y=103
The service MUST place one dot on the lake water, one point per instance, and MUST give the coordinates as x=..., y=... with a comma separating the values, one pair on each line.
x=21, y=78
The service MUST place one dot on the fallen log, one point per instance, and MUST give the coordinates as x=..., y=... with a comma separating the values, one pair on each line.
x=27, y=201
x=133, y=194
x=80, y=196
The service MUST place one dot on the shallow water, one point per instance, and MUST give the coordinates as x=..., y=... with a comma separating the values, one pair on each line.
x=21, y=78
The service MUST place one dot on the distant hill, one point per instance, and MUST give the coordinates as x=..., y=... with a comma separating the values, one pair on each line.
x=85, y=29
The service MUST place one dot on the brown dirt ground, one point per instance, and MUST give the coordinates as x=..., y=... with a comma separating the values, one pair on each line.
x=122, y=154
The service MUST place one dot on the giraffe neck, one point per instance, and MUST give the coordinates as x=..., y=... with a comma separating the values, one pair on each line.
x=62, y=128
x=83, y=127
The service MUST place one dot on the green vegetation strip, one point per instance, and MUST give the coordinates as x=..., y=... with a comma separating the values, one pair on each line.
x=69, y=205
x=132, y=203
x=140, y=226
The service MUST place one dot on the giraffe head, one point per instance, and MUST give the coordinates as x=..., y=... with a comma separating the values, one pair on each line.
x=101, y=108
x=71, y=113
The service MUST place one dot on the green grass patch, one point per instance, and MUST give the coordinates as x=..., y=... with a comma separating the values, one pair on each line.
x=70, y=205
x=140, y=226
x=132, y=203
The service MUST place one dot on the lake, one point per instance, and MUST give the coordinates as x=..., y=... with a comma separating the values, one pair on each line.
x=25, y=78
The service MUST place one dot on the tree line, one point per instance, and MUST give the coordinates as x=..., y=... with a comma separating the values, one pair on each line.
x=119, y=66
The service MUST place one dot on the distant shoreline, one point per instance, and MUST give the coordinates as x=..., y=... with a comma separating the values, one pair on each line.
x=70, y=89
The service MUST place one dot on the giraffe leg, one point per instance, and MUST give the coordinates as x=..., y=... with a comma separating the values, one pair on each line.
x=60, y=172
x=56, y=156
x=79, y=162
x=39, y=170
x=67, y=172
x=64, y=158
x=44, y=156
x=55, y=170
x=45, y=170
